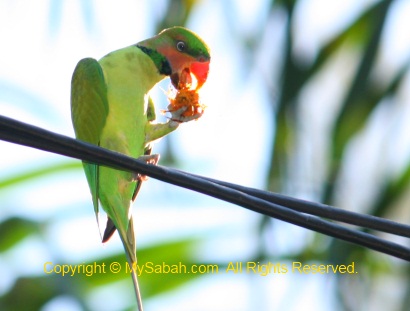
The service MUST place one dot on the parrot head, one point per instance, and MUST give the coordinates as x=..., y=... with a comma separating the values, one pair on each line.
x=181, y=54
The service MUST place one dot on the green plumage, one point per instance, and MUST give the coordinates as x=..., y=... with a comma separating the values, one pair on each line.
x=88, y=86
x=119, y=125
x=109, y=103
x=111, y=108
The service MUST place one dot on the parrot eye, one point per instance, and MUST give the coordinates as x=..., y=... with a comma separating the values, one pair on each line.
x=181, y=46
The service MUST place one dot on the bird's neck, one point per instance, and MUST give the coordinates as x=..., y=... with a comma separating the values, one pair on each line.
x=130, y=67
x=159, y=60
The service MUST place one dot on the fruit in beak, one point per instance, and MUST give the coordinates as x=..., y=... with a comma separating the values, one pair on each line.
x=191, y=78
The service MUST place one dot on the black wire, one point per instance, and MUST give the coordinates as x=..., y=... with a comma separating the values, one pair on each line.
x=31, y=136
x=322, y=210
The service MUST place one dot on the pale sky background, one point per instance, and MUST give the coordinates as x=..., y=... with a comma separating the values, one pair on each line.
x=230, y=142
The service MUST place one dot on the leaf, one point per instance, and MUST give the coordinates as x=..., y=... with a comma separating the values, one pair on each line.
x=39, y=172
x=16, y=230
x=391, y=192
x=31, y=293
x=151, y=282
x=294, y=78
x=39, y=290
x=358, y=103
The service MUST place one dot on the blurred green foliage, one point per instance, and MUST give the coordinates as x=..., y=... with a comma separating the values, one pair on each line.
x=362, y=97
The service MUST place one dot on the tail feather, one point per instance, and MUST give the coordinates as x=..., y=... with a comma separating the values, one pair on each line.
x=128, y=241
x=109, y=230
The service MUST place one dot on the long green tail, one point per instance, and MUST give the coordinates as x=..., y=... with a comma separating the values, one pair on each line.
x=129, y=244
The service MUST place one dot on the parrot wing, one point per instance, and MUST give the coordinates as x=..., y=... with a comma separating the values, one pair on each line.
x=89, y=110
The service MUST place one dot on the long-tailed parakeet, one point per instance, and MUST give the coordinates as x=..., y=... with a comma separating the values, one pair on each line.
x=111, y=108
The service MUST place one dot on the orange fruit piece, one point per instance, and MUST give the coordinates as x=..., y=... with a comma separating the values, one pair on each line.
x=186, y=98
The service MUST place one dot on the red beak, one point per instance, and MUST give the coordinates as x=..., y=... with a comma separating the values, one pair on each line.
x=191, y=78
x=200, y=71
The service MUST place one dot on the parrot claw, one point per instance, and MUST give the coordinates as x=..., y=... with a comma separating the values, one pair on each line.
x=179, y=117
x=149, y=159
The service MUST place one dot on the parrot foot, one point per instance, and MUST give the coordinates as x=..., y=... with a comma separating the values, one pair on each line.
x=149, y=159
x=180, y=116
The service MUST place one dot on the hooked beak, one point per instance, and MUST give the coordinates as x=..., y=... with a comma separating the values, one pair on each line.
x=192, y=77
x=200, y=71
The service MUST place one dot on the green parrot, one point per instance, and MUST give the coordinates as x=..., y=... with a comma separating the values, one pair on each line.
x=111, y=108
